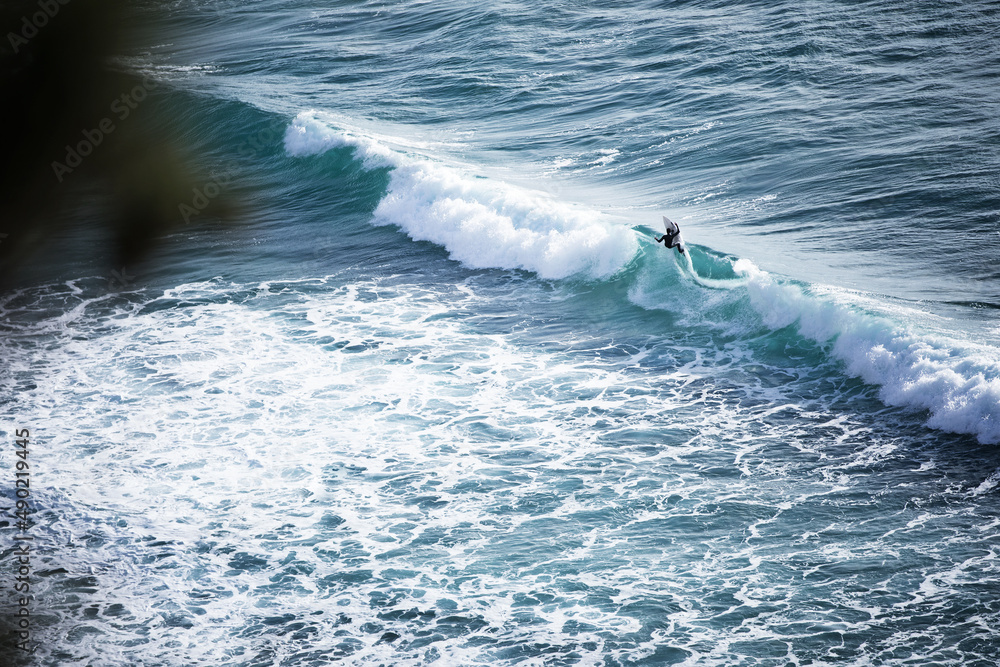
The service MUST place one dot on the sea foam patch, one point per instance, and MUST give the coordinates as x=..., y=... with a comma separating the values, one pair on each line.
x=370, y=469
x=481, y=222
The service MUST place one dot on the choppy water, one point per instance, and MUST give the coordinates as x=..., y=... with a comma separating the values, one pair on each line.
x=443, y=401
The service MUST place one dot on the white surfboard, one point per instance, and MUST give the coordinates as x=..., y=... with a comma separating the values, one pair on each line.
x=672, y=227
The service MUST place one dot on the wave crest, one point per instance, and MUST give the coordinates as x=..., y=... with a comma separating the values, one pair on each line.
x=482, y=223
x=957, y=382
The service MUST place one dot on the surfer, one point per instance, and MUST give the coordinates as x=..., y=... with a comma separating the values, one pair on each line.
x=672, y=237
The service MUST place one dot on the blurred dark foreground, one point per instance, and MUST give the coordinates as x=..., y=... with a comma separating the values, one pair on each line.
x=88, y=153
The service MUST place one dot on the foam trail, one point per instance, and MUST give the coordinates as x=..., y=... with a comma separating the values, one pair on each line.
x=958, y=383
x=481, y=223
x=711, y=283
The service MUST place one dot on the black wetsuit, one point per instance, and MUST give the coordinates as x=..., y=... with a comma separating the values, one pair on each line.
x=669, y=238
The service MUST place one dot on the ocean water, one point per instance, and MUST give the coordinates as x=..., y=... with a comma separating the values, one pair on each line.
x=442, y=400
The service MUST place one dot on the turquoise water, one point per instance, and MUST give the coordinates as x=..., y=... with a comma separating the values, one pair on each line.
x=442, y=400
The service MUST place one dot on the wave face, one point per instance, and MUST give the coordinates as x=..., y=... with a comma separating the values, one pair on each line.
x=441, y=400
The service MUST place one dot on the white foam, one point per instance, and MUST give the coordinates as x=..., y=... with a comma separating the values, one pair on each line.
x=299, y=425
x=307, y=135
x=481, y=222
x=956, y=381
x=988, y=484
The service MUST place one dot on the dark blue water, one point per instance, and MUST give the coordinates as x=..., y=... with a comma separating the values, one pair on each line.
x=441, y=399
